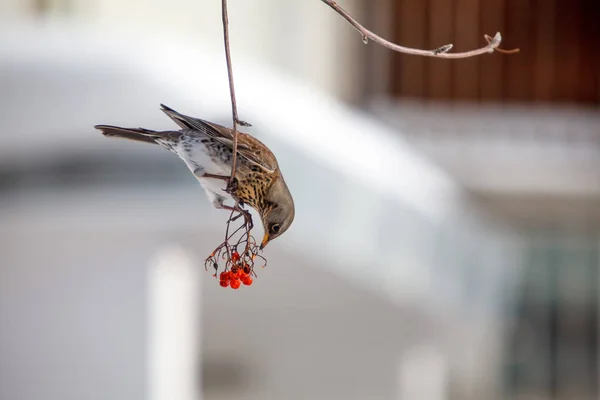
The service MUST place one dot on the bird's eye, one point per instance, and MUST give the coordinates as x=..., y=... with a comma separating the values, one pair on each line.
x=275, y=228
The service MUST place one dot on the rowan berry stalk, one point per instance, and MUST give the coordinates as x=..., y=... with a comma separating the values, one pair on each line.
x=236, y=256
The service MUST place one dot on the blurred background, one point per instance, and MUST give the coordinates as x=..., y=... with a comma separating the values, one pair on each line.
x=446, y=241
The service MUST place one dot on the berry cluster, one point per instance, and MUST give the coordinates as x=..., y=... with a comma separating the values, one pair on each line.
x=237, y=276
x=239, y=266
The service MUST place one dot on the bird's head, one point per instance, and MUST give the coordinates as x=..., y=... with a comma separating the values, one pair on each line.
x=278, y=213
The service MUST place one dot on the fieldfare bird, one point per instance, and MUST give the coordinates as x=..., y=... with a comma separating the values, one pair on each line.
x=207, y=150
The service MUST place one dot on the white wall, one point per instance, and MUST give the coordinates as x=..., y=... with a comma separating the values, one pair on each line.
x=74, y=310
x=303, y=38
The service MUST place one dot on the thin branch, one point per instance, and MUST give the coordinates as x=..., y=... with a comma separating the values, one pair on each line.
x=440, y=52
x=234, y=112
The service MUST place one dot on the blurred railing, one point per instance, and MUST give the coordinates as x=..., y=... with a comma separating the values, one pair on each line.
x=496, y=150
x=542, y=126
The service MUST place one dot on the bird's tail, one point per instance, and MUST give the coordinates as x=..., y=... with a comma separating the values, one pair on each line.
x=137, y=134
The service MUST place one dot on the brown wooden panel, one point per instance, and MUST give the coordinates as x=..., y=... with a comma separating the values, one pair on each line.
x=519, y=33
x=544, y=79
x=559, y=60
x=466, y=37
x=491, y=85
x=439, y=71
x=394, y=60
x=567, y=42
x=589, y=66
x=412, y=18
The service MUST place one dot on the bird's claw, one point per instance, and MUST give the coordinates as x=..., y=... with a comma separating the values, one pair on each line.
x=247, y=217
x=241, y=213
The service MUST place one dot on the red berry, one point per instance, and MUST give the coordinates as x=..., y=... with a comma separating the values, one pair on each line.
x=247, y=269
x=247, y=280
x=224, y=276
x=235, y=284
x=235, y=256
x=224, y=283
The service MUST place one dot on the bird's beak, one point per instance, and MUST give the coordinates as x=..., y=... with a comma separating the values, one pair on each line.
x=264, y=241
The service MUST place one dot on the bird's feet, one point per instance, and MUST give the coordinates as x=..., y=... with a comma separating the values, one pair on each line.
x=231, y=187
x=238, y=209
x=247, y=217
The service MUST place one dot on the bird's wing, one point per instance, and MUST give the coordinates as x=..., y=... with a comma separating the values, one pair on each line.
x=248, y=147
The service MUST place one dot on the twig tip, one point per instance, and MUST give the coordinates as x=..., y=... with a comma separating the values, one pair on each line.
x=494, y=41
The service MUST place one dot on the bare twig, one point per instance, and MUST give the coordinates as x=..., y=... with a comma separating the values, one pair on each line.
x=229, y=250
x=440, y=52
x=231, y=89
x=236, y=253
